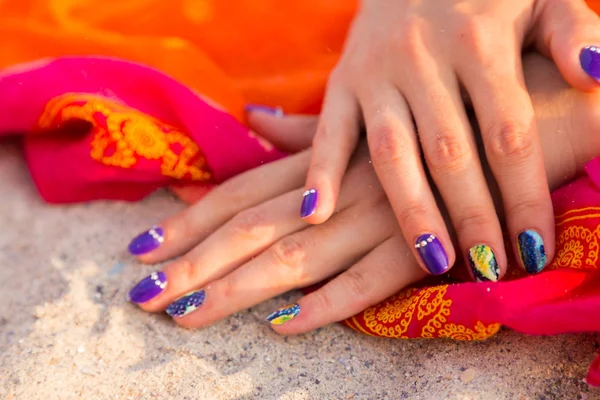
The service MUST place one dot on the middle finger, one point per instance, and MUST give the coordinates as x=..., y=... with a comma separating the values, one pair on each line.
x=452, y=158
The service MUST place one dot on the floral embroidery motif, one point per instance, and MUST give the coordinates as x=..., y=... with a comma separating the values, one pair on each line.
x=394, y=317
x=461, y=332
x=122, y=136
x=424, y=313
x=577, y=248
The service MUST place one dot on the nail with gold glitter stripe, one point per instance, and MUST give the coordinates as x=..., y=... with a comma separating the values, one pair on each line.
x=483, y=263
x=284, y=314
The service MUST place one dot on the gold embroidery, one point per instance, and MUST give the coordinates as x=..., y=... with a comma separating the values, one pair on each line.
x=123, y=135
x=461, y=332
x=578, y=248
x=577, y=210
x=400, y=310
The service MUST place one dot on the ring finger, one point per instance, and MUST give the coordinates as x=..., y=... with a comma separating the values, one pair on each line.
x=506, y=118
x=380, y=274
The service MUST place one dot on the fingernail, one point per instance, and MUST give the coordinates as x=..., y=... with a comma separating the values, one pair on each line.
x=483, y=263
x=188, y=303
x=148, y=288
x=276, y=111
x=147, y=241
x=590, y=61
x=309, y=203
x=284, y=314
x=432, y=253
x=532, y=251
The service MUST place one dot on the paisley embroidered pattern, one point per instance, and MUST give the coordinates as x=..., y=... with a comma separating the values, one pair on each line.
x=427, y=312
x=123, y=136
x=461, y=332
x=577, y=247
x=426, y=308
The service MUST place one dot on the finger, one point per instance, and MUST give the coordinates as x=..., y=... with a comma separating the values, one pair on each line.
x=183, y=231
x=452, y=159
x=380, y=274
x=569, y=32
x=333, y=144
x=248, y=234
x=397, y=161
x=296, y=261
x=507, y=122
x=237, y=241
x=289, y=133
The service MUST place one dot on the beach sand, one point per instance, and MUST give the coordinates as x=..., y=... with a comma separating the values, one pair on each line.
x=68, y=332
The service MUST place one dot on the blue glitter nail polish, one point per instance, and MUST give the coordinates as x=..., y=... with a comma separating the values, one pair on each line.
x=187, y=304
x=532, y=251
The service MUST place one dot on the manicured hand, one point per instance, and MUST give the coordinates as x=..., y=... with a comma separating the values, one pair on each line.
x=410, y=63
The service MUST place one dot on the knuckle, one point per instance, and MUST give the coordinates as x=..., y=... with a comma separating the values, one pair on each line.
x=532, y=206
x=323, y=301
x=388, y=146
x=356, y=286
x=249, y=224
x=473, y=32
x=411, y=213
x=407, y=38
x=447, y=152
x=319, y=168
x=228, y=289
x=237, y=189
x=509, y=140
x=475, y=221
x=290, y=253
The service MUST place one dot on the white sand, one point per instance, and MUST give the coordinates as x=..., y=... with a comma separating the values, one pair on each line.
x=67, y=332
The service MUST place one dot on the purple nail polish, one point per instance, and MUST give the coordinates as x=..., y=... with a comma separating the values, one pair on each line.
x=147, y=241
x=148, y=288
x=432, y=253
x=276, y=111
x=590, y=61
x=309, y=203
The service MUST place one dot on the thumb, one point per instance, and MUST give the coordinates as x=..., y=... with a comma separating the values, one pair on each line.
x=290, y=133
x=569, y=33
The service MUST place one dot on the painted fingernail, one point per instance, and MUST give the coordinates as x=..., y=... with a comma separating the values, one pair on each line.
x=309, y=203
x=432, y=253
x=590, y=61
x=276, y=111
x=532, y=251
x=483, y=263
x=188, y=303
x=284, y=314
x=148, y=288
x=147, y=241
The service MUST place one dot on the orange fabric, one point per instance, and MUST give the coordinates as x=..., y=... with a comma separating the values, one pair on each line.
x=264, y=52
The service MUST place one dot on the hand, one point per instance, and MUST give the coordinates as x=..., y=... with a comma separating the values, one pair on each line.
x=244, y=244
x=410, y=59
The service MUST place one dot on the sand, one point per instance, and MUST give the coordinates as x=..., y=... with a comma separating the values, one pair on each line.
x=67, y=331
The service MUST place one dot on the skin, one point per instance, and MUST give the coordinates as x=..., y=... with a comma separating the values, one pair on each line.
x=243, y=243
x=406, y=60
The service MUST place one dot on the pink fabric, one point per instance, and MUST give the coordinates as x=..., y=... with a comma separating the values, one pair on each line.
x=60, y=164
